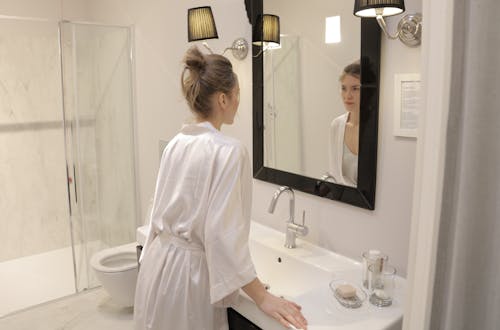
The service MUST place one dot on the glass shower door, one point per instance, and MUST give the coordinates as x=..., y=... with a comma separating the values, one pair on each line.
x=99, y=117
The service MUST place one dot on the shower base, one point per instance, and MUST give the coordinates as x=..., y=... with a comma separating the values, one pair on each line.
x=32, y=280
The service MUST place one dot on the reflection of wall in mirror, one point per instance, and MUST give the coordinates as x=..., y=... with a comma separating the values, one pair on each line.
x=282, y=107
x=320, y=67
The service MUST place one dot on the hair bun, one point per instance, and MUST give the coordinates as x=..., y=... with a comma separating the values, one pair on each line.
x=202, y=76
x=195, y=60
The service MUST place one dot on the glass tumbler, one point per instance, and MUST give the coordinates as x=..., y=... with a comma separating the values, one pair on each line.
x=381, y=285
x=372, y=257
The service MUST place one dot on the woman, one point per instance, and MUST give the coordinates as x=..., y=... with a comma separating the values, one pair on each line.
x=196, y=257
x=344, y=130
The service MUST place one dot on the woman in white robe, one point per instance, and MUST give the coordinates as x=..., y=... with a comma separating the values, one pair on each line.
x=344, y=131
x=196, y=256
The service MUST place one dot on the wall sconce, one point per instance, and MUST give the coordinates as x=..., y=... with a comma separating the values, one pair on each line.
x=409, y=27
x=266, y=33
x=201, y=26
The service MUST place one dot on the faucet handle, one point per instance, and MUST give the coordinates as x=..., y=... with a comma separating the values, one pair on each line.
x=301, y=230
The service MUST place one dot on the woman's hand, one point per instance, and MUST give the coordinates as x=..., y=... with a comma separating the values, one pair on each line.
x=284, y=311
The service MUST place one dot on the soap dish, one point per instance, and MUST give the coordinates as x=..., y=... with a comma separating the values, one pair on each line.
x=352, y=302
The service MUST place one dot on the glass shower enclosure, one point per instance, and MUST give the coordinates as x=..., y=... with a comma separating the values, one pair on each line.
x=67, y=164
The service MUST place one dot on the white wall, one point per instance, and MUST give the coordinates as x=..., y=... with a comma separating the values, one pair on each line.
x=161, y=40
x=47, y=9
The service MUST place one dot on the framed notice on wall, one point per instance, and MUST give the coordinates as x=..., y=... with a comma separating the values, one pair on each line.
x=406, y=104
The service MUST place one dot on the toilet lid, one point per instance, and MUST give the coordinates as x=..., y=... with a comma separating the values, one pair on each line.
x=116, y=259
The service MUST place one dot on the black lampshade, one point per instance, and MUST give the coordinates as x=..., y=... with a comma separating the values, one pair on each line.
x=267, y=30
x=201, y=24
x=372, y=8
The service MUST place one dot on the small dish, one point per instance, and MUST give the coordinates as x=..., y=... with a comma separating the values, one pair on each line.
x=353, y=302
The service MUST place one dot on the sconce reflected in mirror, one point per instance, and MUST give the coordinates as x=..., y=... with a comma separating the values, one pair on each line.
x=201, y=26
x=266, y=33
x=409, y=27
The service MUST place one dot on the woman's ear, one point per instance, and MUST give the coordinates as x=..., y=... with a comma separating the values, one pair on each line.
x=222, y=100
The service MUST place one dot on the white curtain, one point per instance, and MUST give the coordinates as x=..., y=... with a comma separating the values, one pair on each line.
x=467, y=283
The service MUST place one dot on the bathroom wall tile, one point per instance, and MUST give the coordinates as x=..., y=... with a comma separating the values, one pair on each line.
x=30, y=81
x=34, y=202
x=33, y=198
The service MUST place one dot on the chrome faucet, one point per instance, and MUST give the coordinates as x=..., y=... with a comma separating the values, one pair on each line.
x=292, y=229
x=326, y=177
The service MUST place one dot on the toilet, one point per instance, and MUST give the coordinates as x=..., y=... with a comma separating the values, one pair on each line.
x=116, y=269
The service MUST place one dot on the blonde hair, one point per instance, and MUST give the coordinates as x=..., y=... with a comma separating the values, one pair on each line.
x=204, y=75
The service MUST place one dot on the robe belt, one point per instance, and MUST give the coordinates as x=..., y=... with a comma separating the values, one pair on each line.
x=179, y=241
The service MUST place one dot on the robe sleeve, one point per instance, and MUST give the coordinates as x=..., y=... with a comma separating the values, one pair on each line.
x=227, y=228
x=336, y=153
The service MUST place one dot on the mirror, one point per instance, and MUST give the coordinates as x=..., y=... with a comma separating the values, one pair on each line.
x=309, y=132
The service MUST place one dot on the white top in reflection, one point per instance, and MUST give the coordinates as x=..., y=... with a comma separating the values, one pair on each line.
x=344, y=130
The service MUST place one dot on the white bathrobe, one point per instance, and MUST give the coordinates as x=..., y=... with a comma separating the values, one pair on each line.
x=196, y=256
x=336, y=153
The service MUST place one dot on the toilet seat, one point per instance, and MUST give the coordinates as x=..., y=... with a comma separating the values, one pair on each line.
x=115, y=259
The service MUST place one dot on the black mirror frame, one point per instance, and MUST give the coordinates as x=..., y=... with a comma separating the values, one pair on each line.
x=364, y=194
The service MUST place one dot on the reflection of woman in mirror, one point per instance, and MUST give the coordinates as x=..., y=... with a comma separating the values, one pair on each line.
x=344, y=130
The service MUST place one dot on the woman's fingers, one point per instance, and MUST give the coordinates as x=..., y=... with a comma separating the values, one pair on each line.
x=294, y=310
x=281, y=320
x=287, y=313
x=291, y=313
x=296, y=306
x=295, y=322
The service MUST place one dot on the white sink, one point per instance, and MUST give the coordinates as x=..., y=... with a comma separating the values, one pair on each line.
x=303, y=275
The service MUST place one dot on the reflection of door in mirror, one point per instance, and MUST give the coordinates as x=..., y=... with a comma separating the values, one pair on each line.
x=307, y=86
x=282, y=130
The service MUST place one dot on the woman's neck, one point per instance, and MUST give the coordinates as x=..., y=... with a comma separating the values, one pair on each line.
x=353, y=118
x=215, y=123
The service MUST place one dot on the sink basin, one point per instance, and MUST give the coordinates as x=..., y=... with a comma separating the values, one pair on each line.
x=303, y=275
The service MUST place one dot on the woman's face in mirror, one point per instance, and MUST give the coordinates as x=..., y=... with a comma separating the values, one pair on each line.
x=350, y=92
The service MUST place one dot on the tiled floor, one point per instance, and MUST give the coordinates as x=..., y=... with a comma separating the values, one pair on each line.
x=90, y=310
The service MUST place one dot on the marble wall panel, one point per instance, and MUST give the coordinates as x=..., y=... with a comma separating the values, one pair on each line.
x=33, y=194
x=30, y=80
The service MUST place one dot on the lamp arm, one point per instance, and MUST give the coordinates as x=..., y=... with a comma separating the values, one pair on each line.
x=383, y=26
x=205, y=44
x=260, y=52
x=228, y=48
x=263, y=48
